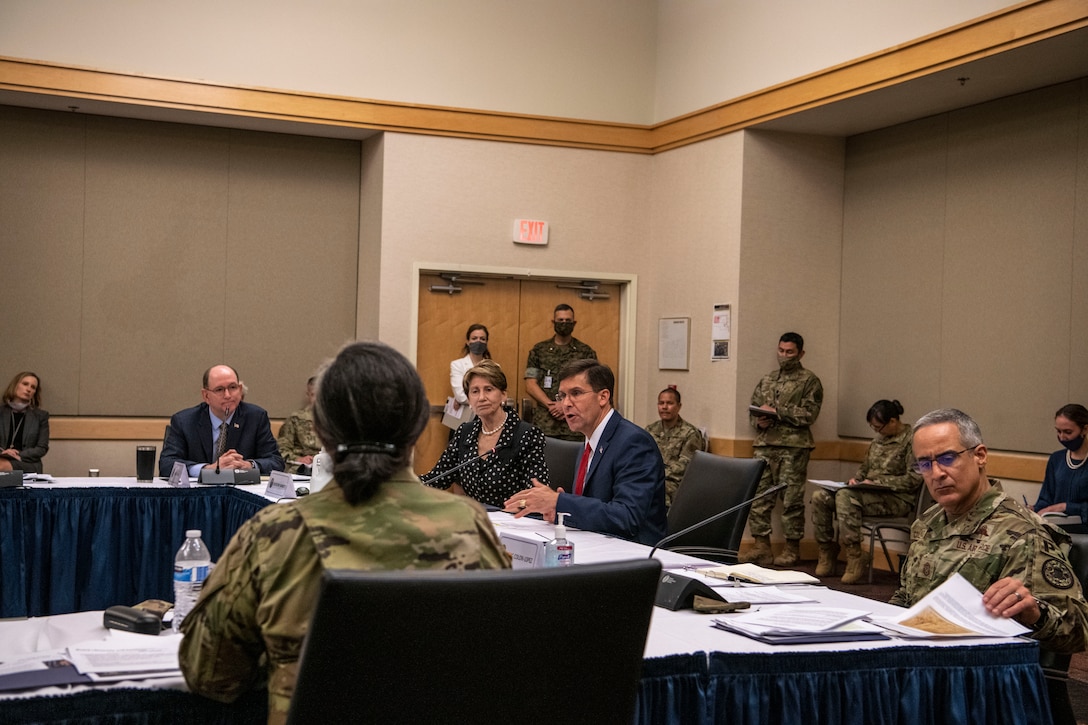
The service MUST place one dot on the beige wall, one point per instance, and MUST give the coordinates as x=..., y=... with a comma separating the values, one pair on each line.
x=142, y=253
x=635, y=61
x=965, y=254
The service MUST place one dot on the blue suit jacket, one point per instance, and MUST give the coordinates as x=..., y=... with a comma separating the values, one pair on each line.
x=189, y=438
x=625, y=486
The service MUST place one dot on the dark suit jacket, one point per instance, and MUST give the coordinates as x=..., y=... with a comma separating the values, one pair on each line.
x=189, y=438
x=35, y=432
x=625, y=486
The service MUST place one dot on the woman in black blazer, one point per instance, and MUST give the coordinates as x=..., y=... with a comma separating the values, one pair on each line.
x=24, y=426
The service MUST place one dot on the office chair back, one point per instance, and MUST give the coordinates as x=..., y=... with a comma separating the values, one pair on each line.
x=712, y=484
x=562, y=459
x=526, y=646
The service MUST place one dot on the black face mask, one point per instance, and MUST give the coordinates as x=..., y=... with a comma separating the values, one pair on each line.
x=477, y=348
x=563, y=329
x=1073, y=444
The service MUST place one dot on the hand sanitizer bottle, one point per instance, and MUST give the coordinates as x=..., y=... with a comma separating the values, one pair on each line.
x=559, y=551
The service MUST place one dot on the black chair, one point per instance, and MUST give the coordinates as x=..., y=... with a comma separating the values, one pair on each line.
x=878, y=525
x=1056, y=666
x=477, y=646
x=562, y=459
x=712, y=484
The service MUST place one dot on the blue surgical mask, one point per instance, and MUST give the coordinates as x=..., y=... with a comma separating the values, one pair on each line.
x=1073, y=444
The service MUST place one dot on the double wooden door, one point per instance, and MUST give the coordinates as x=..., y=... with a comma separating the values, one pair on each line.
x=518, y=314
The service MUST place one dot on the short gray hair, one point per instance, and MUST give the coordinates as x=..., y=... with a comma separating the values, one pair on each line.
x=970, y=434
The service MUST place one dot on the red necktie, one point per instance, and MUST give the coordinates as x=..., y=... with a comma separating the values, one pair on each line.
x=580, y=481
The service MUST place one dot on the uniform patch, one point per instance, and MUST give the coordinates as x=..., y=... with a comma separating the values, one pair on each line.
x=1057, y=574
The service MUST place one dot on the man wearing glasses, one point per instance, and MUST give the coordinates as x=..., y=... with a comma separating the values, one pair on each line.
x=223, y=432
x=619, y=488
x=1005, y=550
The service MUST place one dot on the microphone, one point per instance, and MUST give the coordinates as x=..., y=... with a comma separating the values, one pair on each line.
x=715, y=517
x=461, y=465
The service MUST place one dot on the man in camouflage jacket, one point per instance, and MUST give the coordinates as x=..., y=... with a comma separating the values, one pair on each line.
x=1006, y=551
x=792, y=397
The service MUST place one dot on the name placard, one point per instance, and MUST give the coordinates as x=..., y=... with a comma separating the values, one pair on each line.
x=526, y=550
x=179, y=476
x=280, y=485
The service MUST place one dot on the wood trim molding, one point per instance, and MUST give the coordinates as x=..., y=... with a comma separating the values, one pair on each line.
x=87, y=428
x=1019, y=466
x=997, y=32
x=989, y=35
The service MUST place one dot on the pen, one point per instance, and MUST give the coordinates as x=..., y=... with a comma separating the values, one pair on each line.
x=1025, y=500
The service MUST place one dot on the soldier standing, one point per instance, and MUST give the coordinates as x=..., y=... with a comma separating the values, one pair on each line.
x=791, y=398
x=677, y=439
x=546, y=359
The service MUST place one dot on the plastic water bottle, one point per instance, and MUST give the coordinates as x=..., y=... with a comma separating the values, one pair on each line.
x=191, y=567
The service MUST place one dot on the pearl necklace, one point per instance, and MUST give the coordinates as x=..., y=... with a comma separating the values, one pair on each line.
x=487, y=432
x=1069, y=460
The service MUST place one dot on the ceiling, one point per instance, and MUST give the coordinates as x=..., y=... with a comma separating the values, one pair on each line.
x=1037, y=65
x=1044, y=63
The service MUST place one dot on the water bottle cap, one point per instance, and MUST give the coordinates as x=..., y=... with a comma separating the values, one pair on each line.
x=192, y=534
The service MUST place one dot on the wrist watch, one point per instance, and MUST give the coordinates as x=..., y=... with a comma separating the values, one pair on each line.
x=1044, y=614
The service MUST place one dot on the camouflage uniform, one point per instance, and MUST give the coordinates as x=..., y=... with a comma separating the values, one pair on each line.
x=546, y=359
x=251, y=618
x=297, y=438
x=887, y=463
x=998, y=538
x=678, y=444
x=797, y=395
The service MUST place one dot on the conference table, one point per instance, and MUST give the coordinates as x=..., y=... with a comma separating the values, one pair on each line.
x=692, y=673
x=74, y=544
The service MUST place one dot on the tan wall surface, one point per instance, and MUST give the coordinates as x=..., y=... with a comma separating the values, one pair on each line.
x=965, y=246
x=146, y=252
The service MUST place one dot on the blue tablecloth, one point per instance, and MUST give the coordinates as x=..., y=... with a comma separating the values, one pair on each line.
x=74, y=549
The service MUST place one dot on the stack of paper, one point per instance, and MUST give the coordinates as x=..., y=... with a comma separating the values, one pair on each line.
x=803, y=625
x=954, y=609
x=758, y=574
x=121, y=656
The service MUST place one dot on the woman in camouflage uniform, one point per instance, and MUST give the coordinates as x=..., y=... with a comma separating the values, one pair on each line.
x=247, y=627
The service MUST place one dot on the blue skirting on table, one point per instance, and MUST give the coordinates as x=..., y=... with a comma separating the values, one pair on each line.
x=74, y=549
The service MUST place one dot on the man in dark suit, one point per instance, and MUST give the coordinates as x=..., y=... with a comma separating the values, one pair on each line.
x=238, y=431
x=622, y=489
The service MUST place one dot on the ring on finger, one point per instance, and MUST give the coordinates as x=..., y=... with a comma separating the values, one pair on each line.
x=1019, y=596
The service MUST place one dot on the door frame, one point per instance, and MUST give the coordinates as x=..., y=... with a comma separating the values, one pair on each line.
x=628, y=284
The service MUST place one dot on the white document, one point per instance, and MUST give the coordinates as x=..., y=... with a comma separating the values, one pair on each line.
x=762, y=595
x=954, y=609
x=796, y=620
x=831, y=485
x=126, y=652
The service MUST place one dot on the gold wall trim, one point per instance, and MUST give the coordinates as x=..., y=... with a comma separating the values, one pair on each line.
x=86, y=428
x=1019, y=466
x=1003, y=30
x=989, y=35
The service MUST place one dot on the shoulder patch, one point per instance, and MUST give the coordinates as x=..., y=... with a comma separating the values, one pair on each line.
x=1057, y=574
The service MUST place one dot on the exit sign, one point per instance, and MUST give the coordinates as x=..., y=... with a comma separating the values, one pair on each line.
x=530, y=231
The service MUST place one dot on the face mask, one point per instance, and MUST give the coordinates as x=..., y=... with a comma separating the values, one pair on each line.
x=20, y=405
x=1073, y=444
x=789, y=364
x=477, y=348
x=563, y=329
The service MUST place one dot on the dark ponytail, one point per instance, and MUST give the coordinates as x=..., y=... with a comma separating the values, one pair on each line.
x=369, y=412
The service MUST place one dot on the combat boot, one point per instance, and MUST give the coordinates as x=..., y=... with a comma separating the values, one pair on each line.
x=829, y=555
x=790, y=555
x=760, y=554
x=856, y=563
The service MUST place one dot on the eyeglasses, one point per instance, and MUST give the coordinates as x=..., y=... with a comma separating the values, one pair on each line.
x=574, y=394
x=878, y=428
x=232, y=389
x=944, y=460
